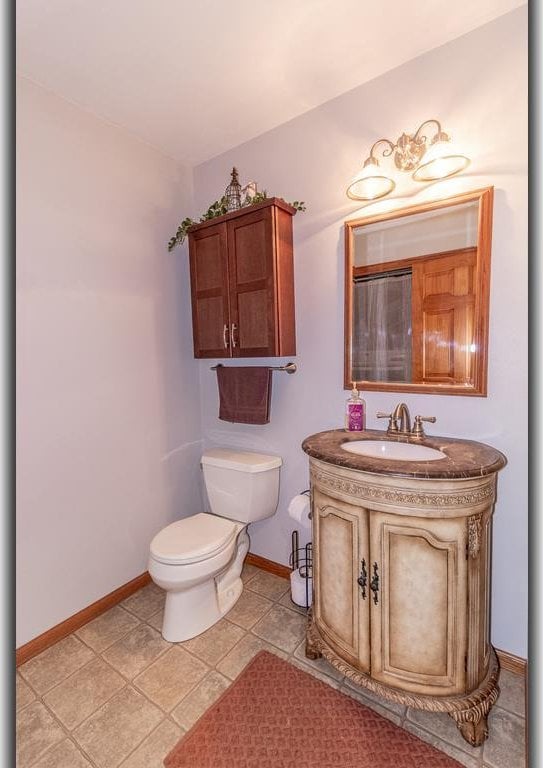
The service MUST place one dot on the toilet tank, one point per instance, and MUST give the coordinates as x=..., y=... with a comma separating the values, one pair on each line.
x=241, y=485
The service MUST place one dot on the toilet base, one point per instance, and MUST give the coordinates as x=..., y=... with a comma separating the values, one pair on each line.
x=189, y=612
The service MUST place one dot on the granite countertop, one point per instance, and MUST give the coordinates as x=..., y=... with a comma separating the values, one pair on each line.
x=464, y=458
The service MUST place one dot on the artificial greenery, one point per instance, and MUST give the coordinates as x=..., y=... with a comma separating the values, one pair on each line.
x=218, y=208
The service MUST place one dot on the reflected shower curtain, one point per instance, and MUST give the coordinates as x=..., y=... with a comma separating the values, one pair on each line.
x=382, y=328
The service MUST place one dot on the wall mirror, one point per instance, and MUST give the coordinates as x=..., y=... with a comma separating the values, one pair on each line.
x=416, y=297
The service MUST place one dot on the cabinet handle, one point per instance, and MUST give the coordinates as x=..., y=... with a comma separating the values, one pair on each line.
x=225, y=335
x=232, y=335
x=363, y=579
x=374, y=584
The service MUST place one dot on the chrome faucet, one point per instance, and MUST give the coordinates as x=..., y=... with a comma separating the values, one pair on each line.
x=401, y=414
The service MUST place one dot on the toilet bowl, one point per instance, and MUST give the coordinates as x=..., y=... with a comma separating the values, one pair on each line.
x=198, y=560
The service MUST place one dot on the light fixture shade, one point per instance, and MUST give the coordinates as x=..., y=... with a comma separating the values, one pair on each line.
x=370, y=183
x=442, y=160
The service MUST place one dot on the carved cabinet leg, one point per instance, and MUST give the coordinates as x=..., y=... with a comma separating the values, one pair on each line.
x=311, y=650
x=475, y=731
x=473, y=722
x=312, y=644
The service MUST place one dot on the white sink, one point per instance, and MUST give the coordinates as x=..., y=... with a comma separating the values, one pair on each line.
x=385, y=449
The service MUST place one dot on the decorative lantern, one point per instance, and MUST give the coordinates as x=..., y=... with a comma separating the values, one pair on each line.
x=233, y=192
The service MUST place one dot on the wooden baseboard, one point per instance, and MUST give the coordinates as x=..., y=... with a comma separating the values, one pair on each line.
x=65, y=628
x=509, y=661
x=268, y=565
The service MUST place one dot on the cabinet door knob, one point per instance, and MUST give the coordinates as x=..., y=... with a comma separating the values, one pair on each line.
x=363, y=579
x=233, y=335
x=225, y=335
x=374, y=584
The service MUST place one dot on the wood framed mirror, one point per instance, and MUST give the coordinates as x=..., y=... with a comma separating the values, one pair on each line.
x=417, y=284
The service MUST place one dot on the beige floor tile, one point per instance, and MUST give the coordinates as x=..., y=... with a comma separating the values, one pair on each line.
x=23, y=693
x=505, y=747
x=145, y=602
x=288, y=603
x=83, y=692
x=215, y=642
x=107, y=628
x=171, y=677
x=248, y=572
x=393, y=706
x=441, y=725
x=319, y=665
x=390, y=710
x=156, y=620
x=200, y=699
x=313, y=672
x=37, y=731
x=56, y=664
x=151, y=753
x=512, y=693
x=469, y=761
x=242, y=653
x=282, y=627
x=249, y=609
x=136, y=650
x=64, y=755
x=268, y=584
x=112, y=733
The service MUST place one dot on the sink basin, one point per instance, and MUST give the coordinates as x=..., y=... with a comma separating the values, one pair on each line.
x=392, y=451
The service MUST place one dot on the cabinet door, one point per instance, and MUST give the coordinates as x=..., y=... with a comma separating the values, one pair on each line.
x=418, y=624
x=341, y=610
x=251, y=254
x=209, y=289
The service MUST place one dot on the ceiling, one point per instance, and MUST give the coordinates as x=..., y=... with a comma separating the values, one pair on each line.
x=194, y=79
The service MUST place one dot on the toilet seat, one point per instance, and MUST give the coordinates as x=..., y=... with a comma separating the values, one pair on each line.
x=193, y=539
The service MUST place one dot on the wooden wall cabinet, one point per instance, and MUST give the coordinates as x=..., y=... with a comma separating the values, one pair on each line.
x=401, y=589
x=242, y=283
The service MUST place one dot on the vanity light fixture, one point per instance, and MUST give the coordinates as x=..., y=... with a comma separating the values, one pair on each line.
x=428, y=158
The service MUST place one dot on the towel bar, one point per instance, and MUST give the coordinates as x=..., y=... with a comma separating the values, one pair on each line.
x=288, y=368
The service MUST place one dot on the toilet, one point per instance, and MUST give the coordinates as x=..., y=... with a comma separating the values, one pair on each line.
x=198, y=559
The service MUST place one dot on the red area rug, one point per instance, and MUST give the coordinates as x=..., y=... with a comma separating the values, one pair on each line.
x=276, y=716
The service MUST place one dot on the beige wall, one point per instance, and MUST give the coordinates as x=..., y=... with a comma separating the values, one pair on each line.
x=477, y=86
x=108, y=424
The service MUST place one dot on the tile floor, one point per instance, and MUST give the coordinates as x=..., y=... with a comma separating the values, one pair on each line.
x=116, y=694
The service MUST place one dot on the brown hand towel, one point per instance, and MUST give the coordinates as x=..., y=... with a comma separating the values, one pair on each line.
x=244, y=394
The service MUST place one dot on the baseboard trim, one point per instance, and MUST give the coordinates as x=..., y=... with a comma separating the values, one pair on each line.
x=509, y=661
x=268, y=565
x=65, y=628
x=515, y=664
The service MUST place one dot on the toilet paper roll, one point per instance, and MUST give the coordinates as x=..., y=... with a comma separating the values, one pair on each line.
x=299, y=508
x=297, y=589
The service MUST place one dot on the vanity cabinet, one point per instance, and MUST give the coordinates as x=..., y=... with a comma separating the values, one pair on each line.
x=401, y=574
x=242, y=283
x=390, y=594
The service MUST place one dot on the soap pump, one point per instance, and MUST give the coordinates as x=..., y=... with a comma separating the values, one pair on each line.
x=355, y=411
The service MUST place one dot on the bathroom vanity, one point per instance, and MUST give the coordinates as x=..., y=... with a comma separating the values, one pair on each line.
x=402, y=548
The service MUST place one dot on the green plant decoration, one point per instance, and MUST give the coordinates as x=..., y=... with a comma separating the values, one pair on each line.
x=218, y=208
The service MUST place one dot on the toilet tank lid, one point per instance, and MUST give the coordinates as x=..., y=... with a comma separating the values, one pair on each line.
x=243, y=461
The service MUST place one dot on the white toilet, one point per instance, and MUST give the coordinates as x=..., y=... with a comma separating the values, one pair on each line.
x=198, y=560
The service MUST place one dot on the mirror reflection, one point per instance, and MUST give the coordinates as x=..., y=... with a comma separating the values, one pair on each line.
x=417, y=297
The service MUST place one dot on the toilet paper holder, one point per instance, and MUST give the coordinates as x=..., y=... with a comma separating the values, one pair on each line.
x=301, y=562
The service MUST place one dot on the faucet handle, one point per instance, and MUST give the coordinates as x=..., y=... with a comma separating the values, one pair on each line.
x=418, y=430
x=392, y=425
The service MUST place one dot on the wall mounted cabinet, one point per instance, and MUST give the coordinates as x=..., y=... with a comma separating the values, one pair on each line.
x=242, y=283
